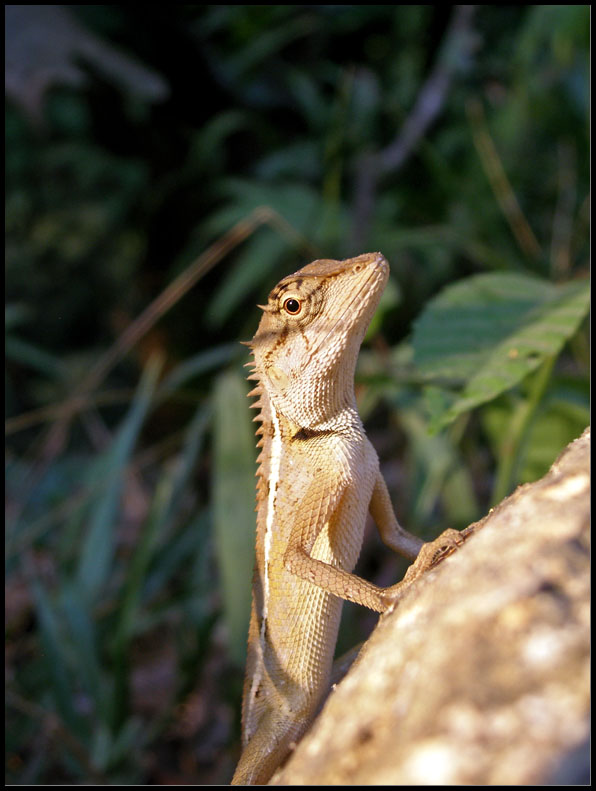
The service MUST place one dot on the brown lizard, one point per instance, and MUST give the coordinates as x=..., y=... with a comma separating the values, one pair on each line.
x=318, y=477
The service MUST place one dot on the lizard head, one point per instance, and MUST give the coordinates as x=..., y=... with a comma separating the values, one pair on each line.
x=307, y=342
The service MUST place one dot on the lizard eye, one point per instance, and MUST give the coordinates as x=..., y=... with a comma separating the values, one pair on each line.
x=292, y=306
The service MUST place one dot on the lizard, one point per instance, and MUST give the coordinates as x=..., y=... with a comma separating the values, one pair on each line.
x=318, y=476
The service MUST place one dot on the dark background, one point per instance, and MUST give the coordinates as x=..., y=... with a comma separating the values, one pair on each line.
x=454, y=141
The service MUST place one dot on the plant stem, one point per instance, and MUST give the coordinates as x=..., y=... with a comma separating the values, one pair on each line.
x=509, y=457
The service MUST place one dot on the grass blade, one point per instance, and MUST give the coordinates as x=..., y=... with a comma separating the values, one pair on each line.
x=99, y=543
x=52, y=640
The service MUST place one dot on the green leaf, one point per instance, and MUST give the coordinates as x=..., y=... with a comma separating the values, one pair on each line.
x=438, y=475
x=174, y=554
x=83, y=636
x=488, y=332
x=15, y=313
x=166, y=504
x=28, y=354
x=253, y=265
x=98, y=547
x=438, y=401
x=197, y=365
x=563, y=415
x=233, y=503
x=54, y=656
x=139, y=563
x=297, y=203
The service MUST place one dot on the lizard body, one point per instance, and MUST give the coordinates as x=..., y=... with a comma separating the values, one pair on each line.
x=318, y=477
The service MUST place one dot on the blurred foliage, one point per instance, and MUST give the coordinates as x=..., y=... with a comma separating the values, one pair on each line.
x=129, y=494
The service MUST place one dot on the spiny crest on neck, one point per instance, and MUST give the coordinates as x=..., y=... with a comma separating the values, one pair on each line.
x=262, y=418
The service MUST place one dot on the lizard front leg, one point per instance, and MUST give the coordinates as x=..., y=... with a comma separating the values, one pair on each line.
x=346, y=585
x=392, y=533
x=333, y=517
x=425, y=555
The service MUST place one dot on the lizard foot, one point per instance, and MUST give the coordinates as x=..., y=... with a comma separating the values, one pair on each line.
x=430, y=555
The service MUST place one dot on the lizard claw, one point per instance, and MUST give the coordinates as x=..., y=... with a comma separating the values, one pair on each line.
x=431, y=554
x=434, y=552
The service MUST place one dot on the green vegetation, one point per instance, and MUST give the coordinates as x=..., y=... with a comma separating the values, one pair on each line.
x=156, y=191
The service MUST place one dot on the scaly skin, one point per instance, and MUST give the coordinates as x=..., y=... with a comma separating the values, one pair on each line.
x=318, y=477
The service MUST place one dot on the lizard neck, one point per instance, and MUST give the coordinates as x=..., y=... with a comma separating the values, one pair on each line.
x=312, y=401
x=317, y=395
x=344, y=421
